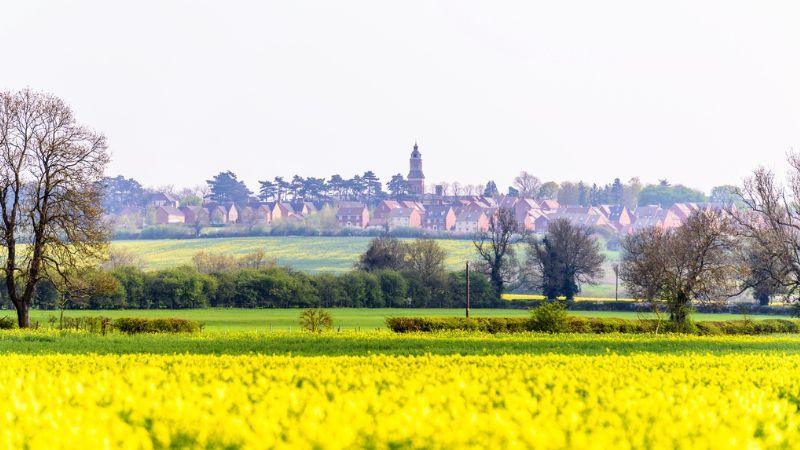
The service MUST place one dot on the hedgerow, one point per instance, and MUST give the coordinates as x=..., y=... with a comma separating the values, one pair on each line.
x=585, y=325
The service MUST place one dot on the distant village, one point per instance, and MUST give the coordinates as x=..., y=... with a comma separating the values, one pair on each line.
x=436, y=211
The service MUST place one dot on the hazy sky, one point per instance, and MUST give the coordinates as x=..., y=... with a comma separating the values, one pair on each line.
x=698, y=92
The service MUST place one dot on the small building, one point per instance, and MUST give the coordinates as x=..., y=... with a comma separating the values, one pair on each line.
x=404, y=218
x=166, y=215
x=217, y=214
x=158, y=199
x=549, y=205
x=195, y=215
x=470, y=221
x=303, y=208
x=352, y=215
x=380, y=216
x=439, y=217
x=621, y=217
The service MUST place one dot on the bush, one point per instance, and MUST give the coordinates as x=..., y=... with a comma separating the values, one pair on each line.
x=7, y=323
x=98, y=324
x=584, y=325
x=485, y=324
x=316, y=320
x=137, y=325
x=550, y=317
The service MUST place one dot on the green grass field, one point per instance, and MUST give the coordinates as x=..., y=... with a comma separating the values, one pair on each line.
x=216, y=319
x=310, y=254
x=372, y=342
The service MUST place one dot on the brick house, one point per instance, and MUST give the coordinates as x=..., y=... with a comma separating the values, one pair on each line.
x=159, y=199
x=549, y=205
x=621, y=217
x=195, y=215
x=352, y=215
x=439, y=217
x=470, y=221
x=217, y=214
x=380, y=216
x=168, y=215
x=404, y=218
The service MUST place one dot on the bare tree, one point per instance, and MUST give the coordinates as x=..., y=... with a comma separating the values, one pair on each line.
x=694, y=262
x=564, y=259
x=118, y=257
x=51, y=169
x=426, y=258
x=769, y=223
x=496, y=255
x=528, y=185
x=643, y=261
x=457, y=189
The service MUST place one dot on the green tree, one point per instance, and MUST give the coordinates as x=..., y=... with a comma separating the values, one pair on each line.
x=568, y=194
x=727, y=195
x=398, y=186
x=267, y=191
x=566, y=257
x=384, y=253
x=225, y=187
x=120, y=192
x=132, y=280
x=491, y=189
x=394, y=288
x=329, y=290
x=548, y=191
x=666, y=195
x=180, y=287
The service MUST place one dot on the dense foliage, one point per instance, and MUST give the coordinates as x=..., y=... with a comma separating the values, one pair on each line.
x=278, y=287
x=550, y=321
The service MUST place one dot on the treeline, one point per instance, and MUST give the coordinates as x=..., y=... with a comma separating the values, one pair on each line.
x=253, y=281
x=285, y=228
x=121, y=192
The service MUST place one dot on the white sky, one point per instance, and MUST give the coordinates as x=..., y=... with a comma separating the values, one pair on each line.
x=698, y=92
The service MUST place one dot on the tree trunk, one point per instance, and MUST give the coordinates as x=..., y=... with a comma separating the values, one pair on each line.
x=23, y=318
x=679, y=312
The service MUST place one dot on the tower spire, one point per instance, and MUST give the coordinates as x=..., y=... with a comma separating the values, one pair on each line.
x=416, y=179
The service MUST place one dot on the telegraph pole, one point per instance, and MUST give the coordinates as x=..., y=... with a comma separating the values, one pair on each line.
x=467, y=289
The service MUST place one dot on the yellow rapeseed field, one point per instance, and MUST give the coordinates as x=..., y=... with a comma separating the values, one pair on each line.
x=549, y=401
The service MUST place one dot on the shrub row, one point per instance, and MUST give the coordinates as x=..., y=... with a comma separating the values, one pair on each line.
x=137, y=325
x=276, y=287
x=635, y=306
x=586, y=325
x=128, y=325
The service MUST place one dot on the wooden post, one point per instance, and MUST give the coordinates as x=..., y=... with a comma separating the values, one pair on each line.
x=467, y=289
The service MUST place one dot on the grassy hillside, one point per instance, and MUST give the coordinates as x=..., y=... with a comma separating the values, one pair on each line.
x=313, y=254
x=310, y=254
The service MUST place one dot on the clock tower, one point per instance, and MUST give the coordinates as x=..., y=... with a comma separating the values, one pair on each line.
x=416, y=179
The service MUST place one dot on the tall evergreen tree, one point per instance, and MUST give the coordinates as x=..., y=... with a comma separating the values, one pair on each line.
x=615, y=196
x=583, y=194
x=225, y=187
x=282, y=186
x=372, y=184
x=397, y=185
x=120, y=192
x=491, y=189
x=267, y=191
